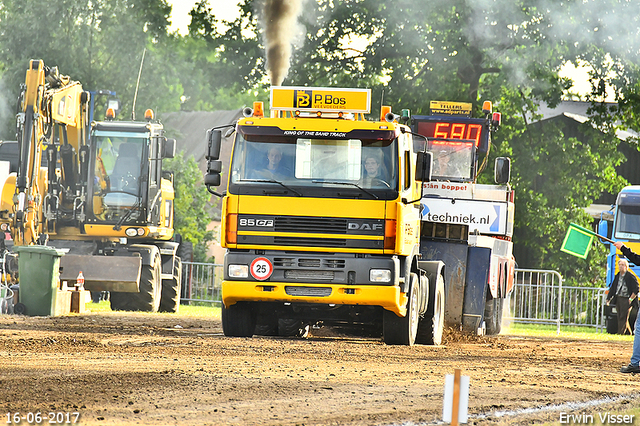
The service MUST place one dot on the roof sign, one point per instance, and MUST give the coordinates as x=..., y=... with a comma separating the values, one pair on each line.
x=450, y=108
x=285, y=98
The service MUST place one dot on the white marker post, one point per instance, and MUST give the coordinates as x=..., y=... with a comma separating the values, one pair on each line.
x=456, y=398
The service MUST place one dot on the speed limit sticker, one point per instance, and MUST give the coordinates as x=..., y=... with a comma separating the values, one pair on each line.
x=261, y=268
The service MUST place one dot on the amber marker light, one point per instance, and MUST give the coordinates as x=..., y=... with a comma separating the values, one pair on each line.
x=258, y=109
x=487, y=107
x=384, y=110
x=111, y=114
x=389, y=234
x=148, y=115
x=232, y=228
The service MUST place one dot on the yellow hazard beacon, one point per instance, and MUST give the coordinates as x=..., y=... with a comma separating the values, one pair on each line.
x=322, y=221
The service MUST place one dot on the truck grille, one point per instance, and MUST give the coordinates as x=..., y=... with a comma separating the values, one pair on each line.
x=308, y=291
x=304, y=262
x=312, y=242
x=299, y=274
x=310, y=225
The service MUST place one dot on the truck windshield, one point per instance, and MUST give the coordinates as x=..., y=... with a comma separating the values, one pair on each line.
x=308, y=164
x=117, y=171
x=628, y=222
x=452, y=160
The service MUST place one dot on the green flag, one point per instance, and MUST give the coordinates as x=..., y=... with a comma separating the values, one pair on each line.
x=578, y=241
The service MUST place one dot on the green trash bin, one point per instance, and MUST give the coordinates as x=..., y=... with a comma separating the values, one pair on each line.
x=39, y=276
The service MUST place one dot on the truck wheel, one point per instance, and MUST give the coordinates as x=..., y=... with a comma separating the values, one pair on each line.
x=493, y=315
x=266, y=325
x=148, y=298
x=431, y=327
x=185, y=251
x=403, y=330
x=292, y=328
x=238, y=320
x=171, y=289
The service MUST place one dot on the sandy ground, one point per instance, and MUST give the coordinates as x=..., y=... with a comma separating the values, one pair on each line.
x=160, y=369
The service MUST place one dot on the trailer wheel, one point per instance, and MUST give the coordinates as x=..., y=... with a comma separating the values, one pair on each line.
x=238, y=320
x=148, y=298
x=170, y=298
x=493, y=315
x=403, y=330
x=431, y=327
x=19, y=309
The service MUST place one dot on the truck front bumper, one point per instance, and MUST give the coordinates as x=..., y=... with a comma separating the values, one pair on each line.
x=388, y=297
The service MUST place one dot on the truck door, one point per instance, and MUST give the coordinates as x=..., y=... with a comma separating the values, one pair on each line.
x=154, y=195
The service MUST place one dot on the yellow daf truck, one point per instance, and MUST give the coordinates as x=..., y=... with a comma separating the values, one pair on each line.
x=321, y=221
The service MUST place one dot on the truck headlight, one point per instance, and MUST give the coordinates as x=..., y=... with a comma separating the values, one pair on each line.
x=238, y=271
x=380, y=275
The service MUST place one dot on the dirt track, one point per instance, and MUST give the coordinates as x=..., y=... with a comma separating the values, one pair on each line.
x=159, y=369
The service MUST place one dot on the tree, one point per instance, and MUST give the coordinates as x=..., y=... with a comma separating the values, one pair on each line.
x=98, y=43
x=191, y=212
x=509, y=52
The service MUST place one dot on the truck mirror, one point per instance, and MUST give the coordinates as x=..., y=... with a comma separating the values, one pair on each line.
x=214, y=168
x=603, y=229
x=214, y=140
x=502, y=170
x=169, y=148
x=423, y=166
x=212, y=179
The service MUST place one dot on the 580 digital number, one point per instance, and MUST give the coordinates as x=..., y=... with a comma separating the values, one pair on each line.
x=37, y=418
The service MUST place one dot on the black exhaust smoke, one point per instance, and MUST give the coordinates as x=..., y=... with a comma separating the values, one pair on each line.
x=279, y=20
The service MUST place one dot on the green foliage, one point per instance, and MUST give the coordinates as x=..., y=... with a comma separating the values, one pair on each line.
x=191, y=203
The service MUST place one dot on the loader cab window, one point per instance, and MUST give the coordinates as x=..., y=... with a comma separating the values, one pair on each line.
x=118, y=173
x=303, y=166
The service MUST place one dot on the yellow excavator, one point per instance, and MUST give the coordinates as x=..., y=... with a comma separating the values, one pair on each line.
x=96, y=191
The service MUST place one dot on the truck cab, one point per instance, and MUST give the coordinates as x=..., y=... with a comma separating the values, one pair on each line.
x=321, y=221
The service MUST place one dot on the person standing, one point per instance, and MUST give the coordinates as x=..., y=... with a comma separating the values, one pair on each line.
x=633, y=366
x=623, y=290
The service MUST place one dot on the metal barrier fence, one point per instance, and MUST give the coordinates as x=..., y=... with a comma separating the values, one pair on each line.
x=539, y=297
x=201, y=282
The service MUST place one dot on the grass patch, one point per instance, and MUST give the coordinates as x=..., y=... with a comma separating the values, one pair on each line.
x=573, y=332
x=191, y=311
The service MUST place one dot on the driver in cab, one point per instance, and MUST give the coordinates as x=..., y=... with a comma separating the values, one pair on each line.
x=374, y=170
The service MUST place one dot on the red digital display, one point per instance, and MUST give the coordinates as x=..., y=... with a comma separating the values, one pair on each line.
x=451, y=130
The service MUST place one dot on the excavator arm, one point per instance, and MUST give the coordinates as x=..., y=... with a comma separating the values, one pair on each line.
x=53, y=111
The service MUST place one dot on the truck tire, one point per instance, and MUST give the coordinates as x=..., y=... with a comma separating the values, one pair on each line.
x=288, y=327
x=238, y=320
x=403, y=330
x=171, y=289
x=185, y=251
x=493, y=315
x=148, y=298
x=266, y=325
x=431, y=327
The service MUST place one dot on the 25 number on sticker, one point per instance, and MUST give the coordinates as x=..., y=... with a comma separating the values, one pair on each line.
x=261, y=268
